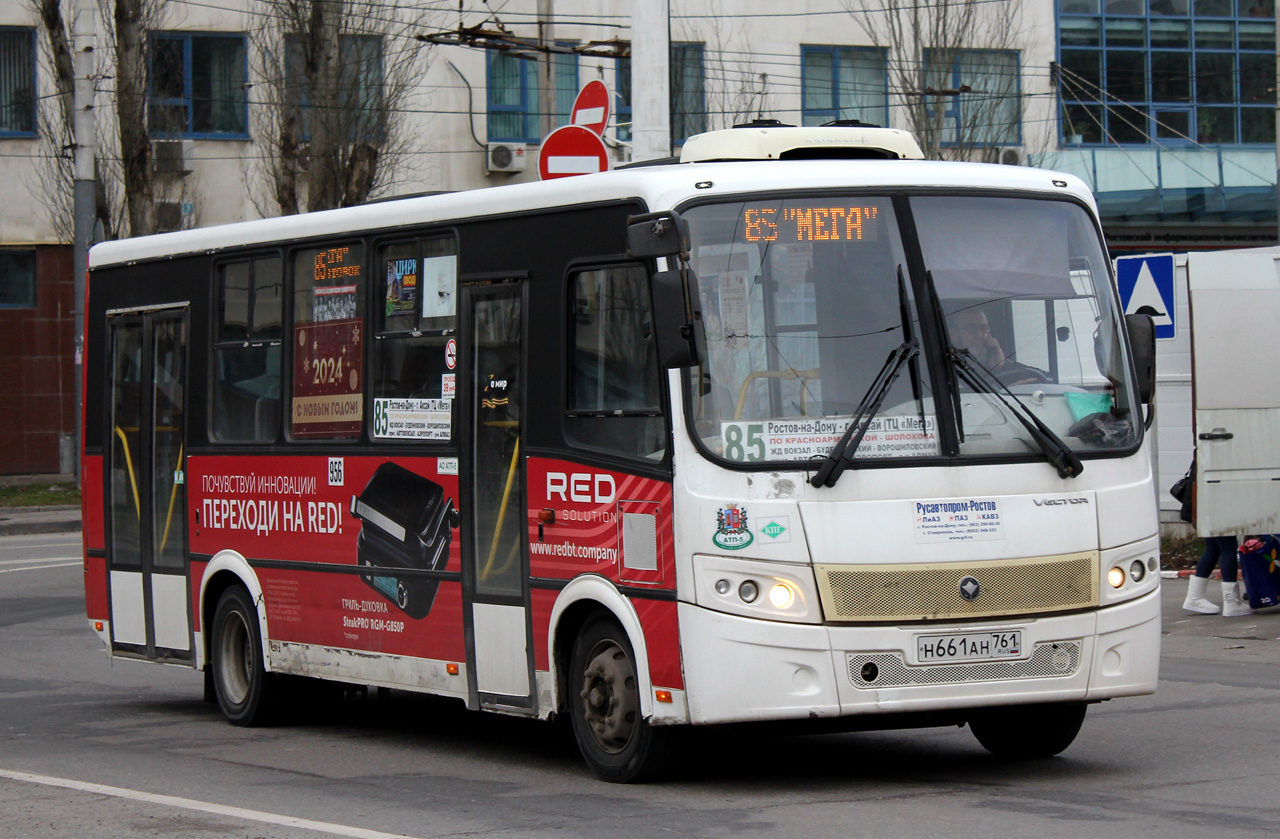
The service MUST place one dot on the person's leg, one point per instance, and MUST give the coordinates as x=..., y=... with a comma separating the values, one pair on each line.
x=1232, y=605
x=1196, y=601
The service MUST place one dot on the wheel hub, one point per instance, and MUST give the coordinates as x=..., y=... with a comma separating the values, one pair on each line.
x=609, y=696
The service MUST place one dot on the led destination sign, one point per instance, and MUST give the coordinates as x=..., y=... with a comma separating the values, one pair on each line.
x=810, y=224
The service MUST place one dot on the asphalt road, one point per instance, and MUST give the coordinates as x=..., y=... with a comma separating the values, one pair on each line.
x=92, y=749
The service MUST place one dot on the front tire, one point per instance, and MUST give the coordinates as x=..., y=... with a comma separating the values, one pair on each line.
x=1022, y=732
x=243, y=687
x=604, y=707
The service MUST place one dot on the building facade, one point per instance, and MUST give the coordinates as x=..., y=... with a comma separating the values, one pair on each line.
x=1165, y=107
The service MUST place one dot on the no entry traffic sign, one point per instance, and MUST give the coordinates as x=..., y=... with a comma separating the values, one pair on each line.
x=591, y=108
x=572, y=150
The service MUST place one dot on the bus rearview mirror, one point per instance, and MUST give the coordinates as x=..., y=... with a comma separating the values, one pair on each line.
x=1142, y=339
x=677, y=319
x=657, y=234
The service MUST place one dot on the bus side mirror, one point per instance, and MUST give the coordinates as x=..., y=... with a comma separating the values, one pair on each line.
x=677, y=319
x=1142, y=339
x=657, y=234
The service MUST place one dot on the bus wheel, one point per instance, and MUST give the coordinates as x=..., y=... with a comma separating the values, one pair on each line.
x=604, y=706
x=242, y=685
x=1028, y=731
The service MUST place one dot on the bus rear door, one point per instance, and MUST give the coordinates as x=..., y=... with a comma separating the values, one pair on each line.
x=146, y=498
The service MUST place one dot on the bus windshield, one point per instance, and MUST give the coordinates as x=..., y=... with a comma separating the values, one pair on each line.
x=805, y=297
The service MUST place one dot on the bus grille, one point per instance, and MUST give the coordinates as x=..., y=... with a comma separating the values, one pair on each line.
x=932, y=592
x=1060, y=658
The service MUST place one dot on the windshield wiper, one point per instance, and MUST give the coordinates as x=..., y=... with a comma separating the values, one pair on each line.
x=1055, y=450
x=842, y=454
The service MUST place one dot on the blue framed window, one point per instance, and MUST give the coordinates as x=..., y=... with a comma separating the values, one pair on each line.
x=687, y=92
x=17, y=82
x=513, y=99
x=980, y=93
x=1166, y=71
x=17, y=279
x=843, y=83
x=359, y=86
x=198, y=86
x=622, y=95
x=566, y=76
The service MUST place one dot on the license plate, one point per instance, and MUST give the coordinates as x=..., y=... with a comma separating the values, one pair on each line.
x=969, y=646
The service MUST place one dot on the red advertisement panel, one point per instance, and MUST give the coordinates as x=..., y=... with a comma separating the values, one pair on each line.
x=377, y=522
x=579, y=519
x=587, y=508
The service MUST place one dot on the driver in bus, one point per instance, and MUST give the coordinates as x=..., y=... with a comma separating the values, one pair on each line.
x=969, y=330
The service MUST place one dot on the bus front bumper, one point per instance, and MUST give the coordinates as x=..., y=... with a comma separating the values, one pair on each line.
x=741, y=669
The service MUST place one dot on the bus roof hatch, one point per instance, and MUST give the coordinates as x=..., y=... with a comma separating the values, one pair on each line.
x=792, y=143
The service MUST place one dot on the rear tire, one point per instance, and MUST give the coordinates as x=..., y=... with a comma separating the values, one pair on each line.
x=244, y=689
x=1022, y=732
x=604, y=707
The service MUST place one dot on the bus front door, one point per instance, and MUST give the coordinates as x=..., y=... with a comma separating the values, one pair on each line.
x=146, y=498
x=496, y=578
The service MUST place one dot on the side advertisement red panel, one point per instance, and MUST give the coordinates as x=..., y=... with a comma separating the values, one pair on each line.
x=375, y=521
x=93, y=531
x=542, y=601
x=585, y=520
x=588, y=508
x=96, y=605
x=195, y=580
x=662, y=636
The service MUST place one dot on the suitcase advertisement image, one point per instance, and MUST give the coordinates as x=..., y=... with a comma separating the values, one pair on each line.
x=407, y=529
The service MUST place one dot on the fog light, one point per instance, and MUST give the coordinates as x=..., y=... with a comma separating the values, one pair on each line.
x=1116, y=577
x=781, y=596
x=749, y=591
x=1151, y=563
x=1137, y=571
x=722, y=586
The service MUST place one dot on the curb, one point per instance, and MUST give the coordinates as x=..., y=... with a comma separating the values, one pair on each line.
x=1188, y=572
x=29, y=528
x=25, y=521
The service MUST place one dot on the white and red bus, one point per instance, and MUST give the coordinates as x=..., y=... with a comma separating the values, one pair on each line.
x=798, y=427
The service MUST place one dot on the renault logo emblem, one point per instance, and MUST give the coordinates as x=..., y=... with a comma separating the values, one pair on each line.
x=970, y=589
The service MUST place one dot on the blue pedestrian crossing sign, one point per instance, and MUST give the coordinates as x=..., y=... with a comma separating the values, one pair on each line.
x=1146, y=287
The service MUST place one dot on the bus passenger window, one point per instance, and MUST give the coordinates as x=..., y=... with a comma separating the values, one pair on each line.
x=413, y=372
x=328, y=342
x=615, y=399
x=246, y=351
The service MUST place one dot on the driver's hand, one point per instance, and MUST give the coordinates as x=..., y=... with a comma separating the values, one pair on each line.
x=992, y=355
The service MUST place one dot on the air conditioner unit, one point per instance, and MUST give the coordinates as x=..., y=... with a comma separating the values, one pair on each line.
x=169, y=157
x=1011, y=157
x=174, y=215
x=505, y=157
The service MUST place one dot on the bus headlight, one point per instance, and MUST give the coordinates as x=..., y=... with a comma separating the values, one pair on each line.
x=755, y=588
x=1116, y=577
x=1137, y=570
x=781, y=596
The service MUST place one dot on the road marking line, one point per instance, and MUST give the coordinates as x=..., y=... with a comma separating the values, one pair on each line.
x=37, y=567
x=40, y=559
x=40, y=545
x=202, y=806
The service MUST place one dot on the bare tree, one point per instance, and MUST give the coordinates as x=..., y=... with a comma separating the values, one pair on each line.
x=333, y=81
x=128, y=185
x=954, y=69
x=736, y=91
